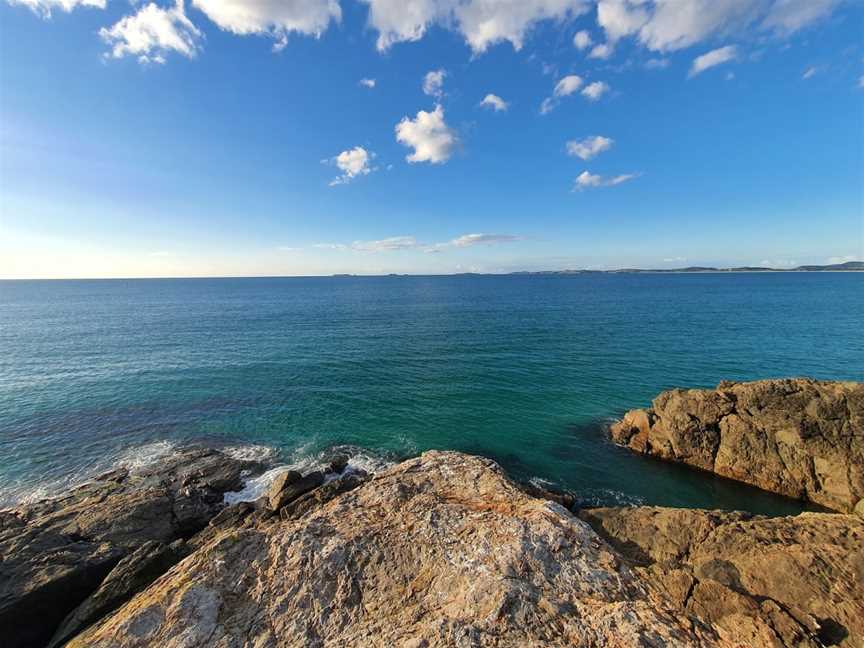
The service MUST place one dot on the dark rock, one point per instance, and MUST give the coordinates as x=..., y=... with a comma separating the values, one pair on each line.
x=55, y=553
x=282, y=481
x=565, y=499
x=319, y=496
x=43, y=575
x=295, y=489
x=131, y=575
x=800, y=438
x=338, y=463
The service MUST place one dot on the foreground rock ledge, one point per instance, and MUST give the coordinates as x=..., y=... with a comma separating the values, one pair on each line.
x=797, y=437
x=445, y=550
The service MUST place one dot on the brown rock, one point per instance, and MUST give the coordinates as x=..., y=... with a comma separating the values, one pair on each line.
x=801, y=438
x=131, y=575
x=791, y=581
x=294, y=489
x=442, y=550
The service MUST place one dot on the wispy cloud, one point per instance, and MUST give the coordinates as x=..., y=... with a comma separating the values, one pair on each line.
x=494, y=102
x=589, y=147
x=433, y=83
x=587, y=180
x=398, y=243
x=712, y=59
x=368, y=83
x=391, y=244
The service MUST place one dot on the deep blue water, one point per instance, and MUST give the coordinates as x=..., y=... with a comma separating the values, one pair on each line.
x=525, y=369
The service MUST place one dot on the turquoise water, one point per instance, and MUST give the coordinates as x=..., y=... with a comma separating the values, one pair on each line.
x=525, y=369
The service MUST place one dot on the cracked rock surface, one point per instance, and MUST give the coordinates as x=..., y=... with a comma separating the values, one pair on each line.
x=789, y=581
x=797, y=437
x=441, y=550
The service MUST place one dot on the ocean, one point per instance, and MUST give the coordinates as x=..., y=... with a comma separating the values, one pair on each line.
x=527, y=370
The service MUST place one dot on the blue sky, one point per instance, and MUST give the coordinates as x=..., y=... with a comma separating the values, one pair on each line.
x=236, y=137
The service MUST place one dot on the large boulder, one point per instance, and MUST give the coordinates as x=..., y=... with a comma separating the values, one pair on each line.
x=773, y=582
x=798, y=437
x=441, y=550
x=55, y=553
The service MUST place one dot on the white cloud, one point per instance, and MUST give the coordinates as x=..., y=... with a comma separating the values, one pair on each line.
x=397, y=243
x=276, y=18
x=713, y=58
x=433, y=83
x=594, y=91
x=586, y=180
x=429, y=135
x=809, y=72
x=567, y=86
x=620, y=18
x=494, y=102
x=353, y=163
x=392, y=244
x=668, y=25
x=589, y=147
x=152, y=33
x=469, y=240
x=602, y=51
x=481, y=22
x=677, y=259
x=367, y=83
x=788, y=16
x=564, y=88
x=582, y=40
x=44, y=8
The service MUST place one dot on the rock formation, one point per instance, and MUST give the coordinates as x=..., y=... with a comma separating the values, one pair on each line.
x=55, y=553
x=441, y=550
x=772, y=582
x=798, y=437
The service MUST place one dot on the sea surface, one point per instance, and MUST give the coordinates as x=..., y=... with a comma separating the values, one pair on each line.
x=527, y=370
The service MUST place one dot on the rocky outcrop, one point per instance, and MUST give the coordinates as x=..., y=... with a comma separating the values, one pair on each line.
x=54, y=554
x=441, y=550
x=791, y=581
x=798, y=437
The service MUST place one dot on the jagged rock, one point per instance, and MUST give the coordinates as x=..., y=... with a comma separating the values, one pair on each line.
x=43, y=575
x=798, y=437
x=282, y=481
x=338, y=463
x=55, y=553
x=321, y=495
x=441, y=550
x=790, y=581
x=294, y=489
x=131, y=575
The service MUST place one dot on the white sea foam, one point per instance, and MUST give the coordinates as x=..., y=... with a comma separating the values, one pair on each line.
x=305, y=462
x=138, y=458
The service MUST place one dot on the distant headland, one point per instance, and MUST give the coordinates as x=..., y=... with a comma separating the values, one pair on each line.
x=849, y=266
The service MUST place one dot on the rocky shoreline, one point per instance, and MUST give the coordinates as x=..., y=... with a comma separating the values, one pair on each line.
x=796, y=437
x=440, y=550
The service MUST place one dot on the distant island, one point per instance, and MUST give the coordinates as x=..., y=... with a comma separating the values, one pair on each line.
x=849, y=266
